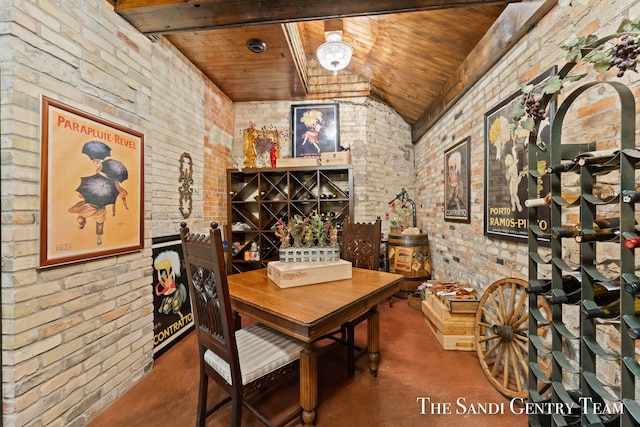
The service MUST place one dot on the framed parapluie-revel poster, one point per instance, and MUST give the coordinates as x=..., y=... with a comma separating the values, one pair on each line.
x=91, y=186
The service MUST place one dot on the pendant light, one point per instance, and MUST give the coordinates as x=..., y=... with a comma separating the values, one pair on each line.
x=334, y=54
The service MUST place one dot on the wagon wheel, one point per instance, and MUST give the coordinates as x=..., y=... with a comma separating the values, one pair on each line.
x=502, y=337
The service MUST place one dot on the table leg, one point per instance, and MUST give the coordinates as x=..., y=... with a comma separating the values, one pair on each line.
x=373, y=341
x=308, y=384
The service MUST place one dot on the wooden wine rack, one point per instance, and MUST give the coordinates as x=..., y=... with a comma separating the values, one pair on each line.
x=259, y=197
x=554, y=387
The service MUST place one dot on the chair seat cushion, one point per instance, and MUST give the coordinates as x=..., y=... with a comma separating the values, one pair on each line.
x=261, y=350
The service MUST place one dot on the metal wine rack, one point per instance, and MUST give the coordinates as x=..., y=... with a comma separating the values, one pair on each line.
x=618, y=394
x=259, y=197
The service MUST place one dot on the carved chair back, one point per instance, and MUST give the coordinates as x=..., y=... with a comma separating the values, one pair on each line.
x=361, y=244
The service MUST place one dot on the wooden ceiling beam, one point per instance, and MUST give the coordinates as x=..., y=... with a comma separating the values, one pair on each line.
x=156, y=17
x=513, y=24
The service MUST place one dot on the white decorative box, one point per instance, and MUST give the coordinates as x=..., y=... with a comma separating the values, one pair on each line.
x=290, y=274
x=312, y=254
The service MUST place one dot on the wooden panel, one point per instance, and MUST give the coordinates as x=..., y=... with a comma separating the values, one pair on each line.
x=240, y=73
x=164, y=16
x=417, y=56
x=512, y=25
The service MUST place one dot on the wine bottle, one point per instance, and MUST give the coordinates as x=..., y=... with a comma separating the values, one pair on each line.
x=603, y=293
x=562, y=167
x=634, y=333
x=632, y=242
x=531, y=203
x=608, y=311
x=598, y=224
x=604, y=235
x=570, y=298
x=569, y=284
x=595, y=157
x=630, y=196
x=632, y=287
x=603, y=192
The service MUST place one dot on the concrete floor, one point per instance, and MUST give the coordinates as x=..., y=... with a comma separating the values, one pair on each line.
x=413, y=365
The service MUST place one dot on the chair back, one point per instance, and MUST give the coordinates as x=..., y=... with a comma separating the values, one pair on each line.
x=210, y=301
x=361, y=244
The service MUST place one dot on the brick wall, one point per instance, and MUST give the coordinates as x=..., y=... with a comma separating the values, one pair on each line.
x=75, y=338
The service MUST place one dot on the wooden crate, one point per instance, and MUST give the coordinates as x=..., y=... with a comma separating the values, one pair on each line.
x=414, y=301
x=290, y=274
x=452, y=342
x=335, y=158
x=289, y=162
x=458, y=304
x=454, y=331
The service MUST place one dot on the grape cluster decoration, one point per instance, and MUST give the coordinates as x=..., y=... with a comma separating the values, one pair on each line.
x=624, y=54
x=533, y=106
x=620, y=50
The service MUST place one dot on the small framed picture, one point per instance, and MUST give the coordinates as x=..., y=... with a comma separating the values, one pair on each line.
x=457, y=197
x=315, y=129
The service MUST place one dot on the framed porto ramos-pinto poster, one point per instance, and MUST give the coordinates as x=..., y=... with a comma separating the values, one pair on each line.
x=506, y=167
x=91, y=187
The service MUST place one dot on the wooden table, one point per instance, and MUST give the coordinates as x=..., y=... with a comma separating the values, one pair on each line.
x=312, y=311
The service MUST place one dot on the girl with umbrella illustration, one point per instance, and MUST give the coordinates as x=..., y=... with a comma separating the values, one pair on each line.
x=101, y=189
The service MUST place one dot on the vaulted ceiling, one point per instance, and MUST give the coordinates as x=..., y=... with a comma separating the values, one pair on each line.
x=414, y=55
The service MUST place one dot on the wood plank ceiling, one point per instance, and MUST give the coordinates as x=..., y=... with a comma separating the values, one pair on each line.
x=414, y=55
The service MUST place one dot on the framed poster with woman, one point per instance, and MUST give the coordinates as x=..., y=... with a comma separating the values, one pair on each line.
x=315, y=129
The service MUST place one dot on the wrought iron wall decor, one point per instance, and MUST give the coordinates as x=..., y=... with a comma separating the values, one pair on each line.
x=186, y=190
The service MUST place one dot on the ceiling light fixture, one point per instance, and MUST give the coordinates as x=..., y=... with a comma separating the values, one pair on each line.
x=334, y=54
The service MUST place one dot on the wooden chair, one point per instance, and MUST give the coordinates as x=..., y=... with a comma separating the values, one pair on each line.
x=241, y=361
x=361, y=246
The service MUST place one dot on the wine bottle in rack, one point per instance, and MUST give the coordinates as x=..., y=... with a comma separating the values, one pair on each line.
x=632, y=287
x=570, y=283
x=542, y=201
x=596, y=157
x=562, y=167
x=598, y=224
x=603, y=293
x=603, y=192
x=602, y=235
x=634, y=333
x=607, y=311
x=570, y=298
x=632, y=242
x=630, y=196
